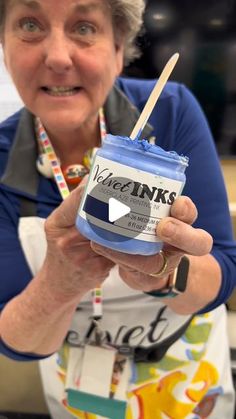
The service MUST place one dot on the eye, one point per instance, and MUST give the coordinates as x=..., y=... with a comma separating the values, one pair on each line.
x=85, y=29
x=29, y=25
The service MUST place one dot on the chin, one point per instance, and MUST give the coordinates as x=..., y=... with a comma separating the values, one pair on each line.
x=62, y=121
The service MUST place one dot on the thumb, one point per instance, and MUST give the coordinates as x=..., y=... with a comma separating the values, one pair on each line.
x=65, y=215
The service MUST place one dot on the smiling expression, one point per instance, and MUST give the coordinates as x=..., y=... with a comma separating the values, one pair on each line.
x=62, y=57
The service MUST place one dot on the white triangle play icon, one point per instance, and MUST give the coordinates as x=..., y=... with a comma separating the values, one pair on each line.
x=117, y=210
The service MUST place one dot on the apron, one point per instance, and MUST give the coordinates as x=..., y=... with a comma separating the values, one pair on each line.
x=181, y=365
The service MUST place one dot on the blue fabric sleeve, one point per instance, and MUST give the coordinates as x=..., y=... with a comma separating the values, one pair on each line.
x=19, y=356
x=15, y=273
x=180, y=125
x=205, y=186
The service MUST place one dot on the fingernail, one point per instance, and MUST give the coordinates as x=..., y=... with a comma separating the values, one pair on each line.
x=169, y=229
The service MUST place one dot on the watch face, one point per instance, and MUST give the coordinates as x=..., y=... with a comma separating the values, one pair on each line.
x=177, y=284
x=181, y=275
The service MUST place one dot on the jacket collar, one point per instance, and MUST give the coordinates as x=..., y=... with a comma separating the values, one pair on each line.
x=21, y=173
x=121, y=115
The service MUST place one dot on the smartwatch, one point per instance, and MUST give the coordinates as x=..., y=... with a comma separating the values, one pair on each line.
x=177, y=282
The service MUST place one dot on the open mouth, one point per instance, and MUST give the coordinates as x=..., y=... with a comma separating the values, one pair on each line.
x=61, y=90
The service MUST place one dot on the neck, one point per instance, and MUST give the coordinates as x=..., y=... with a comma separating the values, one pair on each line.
x=71, y=145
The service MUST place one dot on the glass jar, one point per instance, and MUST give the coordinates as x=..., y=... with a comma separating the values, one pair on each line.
x=131, y=186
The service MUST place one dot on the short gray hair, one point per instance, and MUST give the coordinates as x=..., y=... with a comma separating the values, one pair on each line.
x=127, y=18
x=128, y=22
x=2, y=15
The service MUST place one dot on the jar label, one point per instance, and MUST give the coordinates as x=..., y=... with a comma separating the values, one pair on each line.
x=149, y=197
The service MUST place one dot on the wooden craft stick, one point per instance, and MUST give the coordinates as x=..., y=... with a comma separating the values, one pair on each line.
x=147, y=110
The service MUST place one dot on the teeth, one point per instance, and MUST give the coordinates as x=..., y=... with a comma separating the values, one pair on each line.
x=61, y=89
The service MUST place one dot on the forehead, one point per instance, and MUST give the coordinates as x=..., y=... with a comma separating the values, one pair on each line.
x=80, y=5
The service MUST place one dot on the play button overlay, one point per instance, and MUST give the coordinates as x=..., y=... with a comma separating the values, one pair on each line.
x=117, y=209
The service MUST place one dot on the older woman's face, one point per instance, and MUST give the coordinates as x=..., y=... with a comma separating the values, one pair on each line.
x=62, y=57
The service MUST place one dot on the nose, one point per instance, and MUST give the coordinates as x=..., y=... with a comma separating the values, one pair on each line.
x=58, y=53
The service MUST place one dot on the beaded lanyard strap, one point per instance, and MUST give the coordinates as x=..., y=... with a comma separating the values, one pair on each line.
x=47, y=148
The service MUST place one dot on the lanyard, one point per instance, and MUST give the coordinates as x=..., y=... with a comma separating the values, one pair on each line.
x=46, y=146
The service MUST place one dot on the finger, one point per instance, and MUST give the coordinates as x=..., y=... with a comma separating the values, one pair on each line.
x=72, y=238
x=140, y=263
x=96, y=263
x=140, y=280
x=81, y=253
x=183, y=236
x=184, y=209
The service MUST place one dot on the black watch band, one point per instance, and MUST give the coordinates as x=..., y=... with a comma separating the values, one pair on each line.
x=177, y=282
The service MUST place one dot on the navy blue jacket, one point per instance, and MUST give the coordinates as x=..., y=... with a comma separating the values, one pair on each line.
x=177, y=123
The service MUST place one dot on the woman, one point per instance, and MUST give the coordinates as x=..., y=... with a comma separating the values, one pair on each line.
x=64, y=57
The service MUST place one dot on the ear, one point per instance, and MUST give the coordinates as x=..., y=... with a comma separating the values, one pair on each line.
x=119, y=57
x=1, y=39
x=2, y=50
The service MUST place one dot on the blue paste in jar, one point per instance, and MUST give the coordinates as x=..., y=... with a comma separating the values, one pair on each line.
x=140, y=175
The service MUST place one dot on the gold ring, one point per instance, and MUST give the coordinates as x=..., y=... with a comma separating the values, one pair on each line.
x=164, y=266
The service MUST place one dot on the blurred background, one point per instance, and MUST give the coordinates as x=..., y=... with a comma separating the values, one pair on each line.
x=204, y=33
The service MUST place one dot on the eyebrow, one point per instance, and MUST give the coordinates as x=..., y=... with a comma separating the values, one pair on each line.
x=87, y=7
x=28, y=3
x=79, y=7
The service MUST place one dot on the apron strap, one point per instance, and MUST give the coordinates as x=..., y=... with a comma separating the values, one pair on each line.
x=28, y=208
